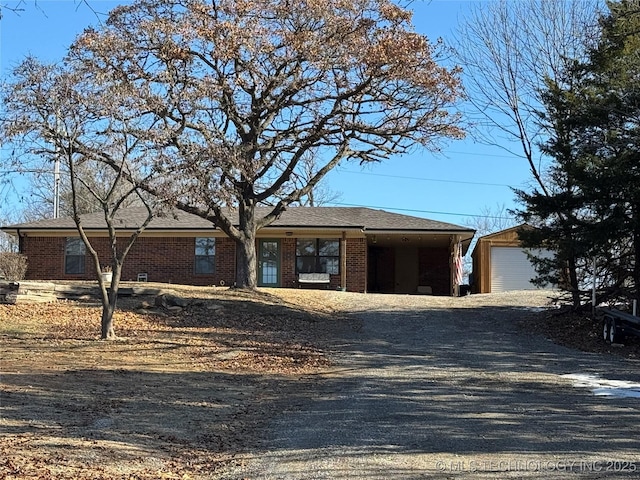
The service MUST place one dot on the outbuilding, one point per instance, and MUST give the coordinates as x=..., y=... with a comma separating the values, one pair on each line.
x=501, y=264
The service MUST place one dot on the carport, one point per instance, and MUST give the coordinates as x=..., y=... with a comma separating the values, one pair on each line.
x=414, y=262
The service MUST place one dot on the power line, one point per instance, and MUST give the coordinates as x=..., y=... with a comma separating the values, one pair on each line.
x=429, y=179
x=442, y=180
x=495, y=155
x=34, y=170
x=431, y=212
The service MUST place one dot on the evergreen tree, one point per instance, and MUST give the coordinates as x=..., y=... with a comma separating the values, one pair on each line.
x=609, y=146
x=593, y=207
x=557, y=213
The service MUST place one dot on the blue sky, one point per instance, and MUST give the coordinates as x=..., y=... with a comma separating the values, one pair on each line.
x=453, y=186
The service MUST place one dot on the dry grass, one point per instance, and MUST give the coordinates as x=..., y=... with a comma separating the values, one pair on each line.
x=176, y=396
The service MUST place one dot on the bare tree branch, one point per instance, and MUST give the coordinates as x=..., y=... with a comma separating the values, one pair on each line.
x=508, y=49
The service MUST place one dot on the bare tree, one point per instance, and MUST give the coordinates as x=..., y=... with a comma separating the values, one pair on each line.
x=320, y=194
x=46, y=116
x=510, y=50
x=19, y=6
x=234, y=94
x=491, y=220
x=507, y=50
x=38, y=199
x=7, y=242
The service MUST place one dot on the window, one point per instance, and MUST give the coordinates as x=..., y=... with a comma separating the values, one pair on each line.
x=74, y=255
x=318, y=255
x=205, y=255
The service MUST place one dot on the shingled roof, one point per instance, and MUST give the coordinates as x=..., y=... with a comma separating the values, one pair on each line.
x=367, y=219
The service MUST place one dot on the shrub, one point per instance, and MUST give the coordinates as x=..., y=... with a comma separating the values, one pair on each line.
x=13, y=266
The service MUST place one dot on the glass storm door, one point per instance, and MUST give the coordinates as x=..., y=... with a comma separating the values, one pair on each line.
x=269, y=263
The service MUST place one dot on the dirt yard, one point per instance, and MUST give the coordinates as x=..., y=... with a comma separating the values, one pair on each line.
x=183, y=393
x=178, y=395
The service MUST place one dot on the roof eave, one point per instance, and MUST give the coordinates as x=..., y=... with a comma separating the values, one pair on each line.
x=312, y=227
x=63, y=230
x=400, y=231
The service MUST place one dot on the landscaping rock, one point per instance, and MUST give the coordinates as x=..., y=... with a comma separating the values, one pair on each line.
x=167, y=300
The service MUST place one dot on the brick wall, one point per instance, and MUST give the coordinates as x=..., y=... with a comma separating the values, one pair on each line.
x=225, y=261
x=435, y=270
x=356, y=265
x=288, y=277
x=45, y=257
x=171, y=260
x=163, y=259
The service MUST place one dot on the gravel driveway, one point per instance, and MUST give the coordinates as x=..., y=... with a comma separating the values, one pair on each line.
x=444, y=387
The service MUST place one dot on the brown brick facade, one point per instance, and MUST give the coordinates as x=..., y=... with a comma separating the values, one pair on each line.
x=288, y=278
x=172, y=260
x=356, y=264
x=45, y=257
x=379, y=251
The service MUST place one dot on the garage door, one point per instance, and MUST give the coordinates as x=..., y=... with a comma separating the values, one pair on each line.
x=510, y=269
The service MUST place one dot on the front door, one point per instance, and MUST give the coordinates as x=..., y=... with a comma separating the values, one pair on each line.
x=269, y=263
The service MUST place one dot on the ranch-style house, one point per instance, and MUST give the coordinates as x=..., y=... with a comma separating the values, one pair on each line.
x=345, y=248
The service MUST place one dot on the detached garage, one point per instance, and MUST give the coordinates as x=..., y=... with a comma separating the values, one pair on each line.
x=510, y=269
x=501, y=264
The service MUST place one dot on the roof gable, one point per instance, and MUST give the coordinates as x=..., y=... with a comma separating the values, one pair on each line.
x=504, y=232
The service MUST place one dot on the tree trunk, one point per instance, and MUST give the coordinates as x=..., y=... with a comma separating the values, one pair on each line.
x=109, y=303
x=107, y=331
x=246, y=264
x=246, y=249
x=573, y=283
x=636, y=255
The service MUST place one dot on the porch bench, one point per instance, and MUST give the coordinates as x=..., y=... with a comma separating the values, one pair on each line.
x=313, y=278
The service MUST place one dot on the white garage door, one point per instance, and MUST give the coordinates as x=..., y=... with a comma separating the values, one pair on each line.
x=510, y=269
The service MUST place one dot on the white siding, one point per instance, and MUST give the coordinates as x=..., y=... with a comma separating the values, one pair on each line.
x=510, y=269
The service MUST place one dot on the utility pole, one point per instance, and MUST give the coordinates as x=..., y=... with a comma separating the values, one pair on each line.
x=56, y=188
x=56, y=174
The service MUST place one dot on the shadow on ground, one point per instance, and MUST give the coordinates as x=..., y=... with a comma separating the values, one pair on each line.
x=423, y=392
x=416, y=393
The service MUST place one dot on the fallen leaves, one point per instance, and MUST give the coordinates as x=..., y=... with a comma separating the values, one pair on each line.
x=579, y=331
x=176, y=396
